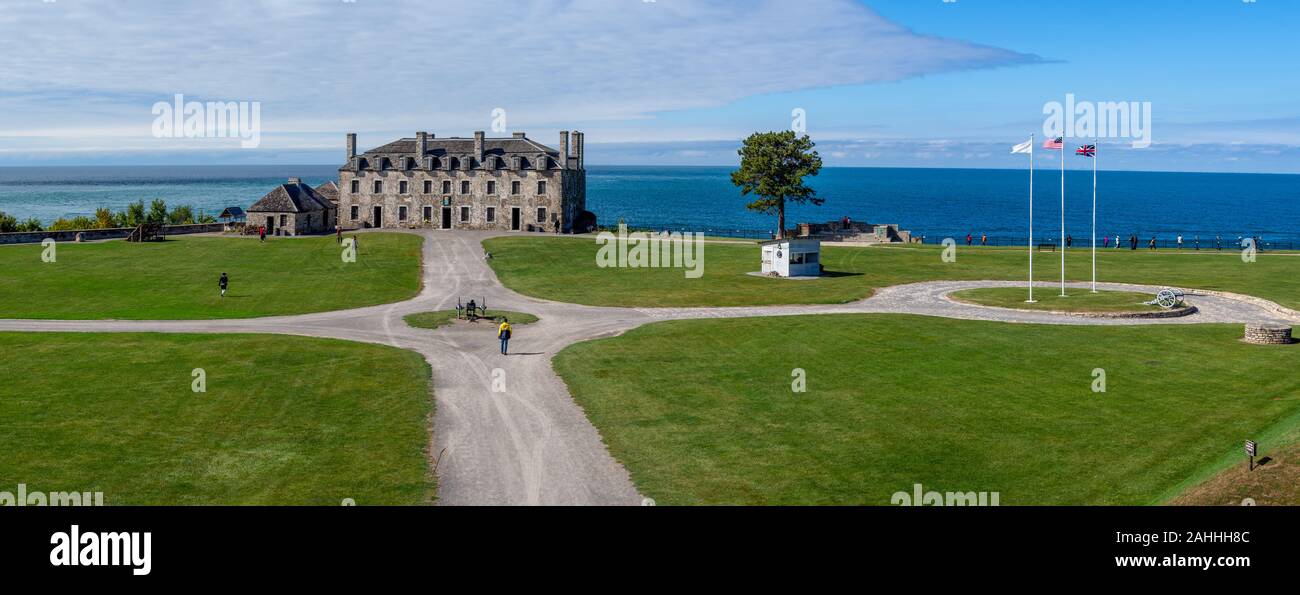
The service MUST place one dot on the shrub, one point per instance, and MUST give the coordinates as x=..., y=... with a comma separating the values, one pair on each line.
x=7, y=223
x=31, y=224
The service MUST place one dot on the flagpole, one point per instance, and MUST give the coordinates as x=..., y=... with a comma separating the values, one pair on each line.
x=1031, y=220
x=1062, y=216
x=1095, y=146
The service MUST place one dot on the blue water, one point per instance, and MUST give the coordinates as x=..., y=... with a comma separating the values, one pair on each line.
x=932, y=202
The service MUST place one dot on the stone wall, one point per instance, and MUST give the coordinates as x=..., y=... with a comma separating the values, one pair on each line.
x=1268, y=334
x=90, y=235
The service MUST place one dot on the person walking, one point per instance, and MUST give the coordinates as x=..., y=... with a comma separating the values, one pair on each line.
x=984, y=239
x=1152, y=244
x=1218, y=243
x=223, y=283
x=1180, y=242
x=968, y=239
x=338, y=233
x=503, y=333
x=1133, y=242
x=261, y=234
x=1069, y=240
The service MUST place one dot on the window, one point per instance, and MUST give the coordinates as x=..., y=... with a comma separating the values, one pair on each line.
x=379, y=186
x=428, y=212
x=541, y=186
x=428, y=186
x=446, y=186
x=401, y=213
x=514, y=187
x=491, y=214
x=491, y=187
x=464, y=214
x=355, y=212
x=401, y=187
x=356, y=188
x=541, y=214
x=464, y=187
x=284, y=220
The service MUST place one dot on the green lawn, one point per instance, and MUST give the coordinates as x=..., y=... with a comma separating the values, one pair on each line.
x=433, y=320
x=702, y=411
x=564, y=269
x=285, y=420
x=1076, y=300
x=177, y=279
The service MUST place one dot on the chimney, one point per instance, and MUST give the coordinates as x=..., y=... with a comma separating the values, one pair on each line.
x=352, y=146
x=518, y=135
x=564, y=149
x=577, y=148
x=295, y=181
x=421, y=146
x=478, y=145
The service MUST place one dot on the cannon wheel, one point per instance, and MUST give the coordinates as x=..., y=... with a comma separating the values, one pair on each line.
x=1167, y=298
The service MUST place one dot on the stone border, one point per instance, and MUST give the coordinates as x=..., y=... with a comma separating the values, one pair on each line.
x=1273, y=307
x=1185, y=310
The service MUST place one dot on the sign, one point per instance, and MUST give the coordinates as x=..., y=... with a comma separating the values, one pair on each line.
x=1250, y=447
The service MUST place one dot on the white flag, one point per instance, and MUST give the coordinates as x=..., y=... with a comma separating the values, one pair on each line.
x=1025, y=147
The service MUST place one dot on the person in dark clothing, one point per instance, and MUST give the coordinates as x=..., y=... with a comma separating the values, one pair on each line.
x=261, y=234
x=1152, y=244
x=1069, y=240
x=1218, y=242
x=1133, y=242
x=338, y=233
x=968, y=238
x=223, y=282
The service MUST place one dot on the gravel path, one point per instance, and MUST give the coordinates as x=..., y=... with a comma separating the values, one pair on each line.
x=530, y=443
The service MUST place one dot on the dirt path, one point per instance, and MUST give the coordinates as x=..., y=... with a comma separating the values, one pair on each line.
x=530, y=443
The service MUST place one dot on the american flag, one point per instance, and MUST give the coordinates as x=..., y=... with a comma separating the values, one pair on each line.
x=1086, y=151
x=1055, y=144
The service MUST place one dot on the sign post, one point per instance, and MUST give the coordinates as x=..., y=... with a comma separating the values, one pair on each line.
x=1251, y=449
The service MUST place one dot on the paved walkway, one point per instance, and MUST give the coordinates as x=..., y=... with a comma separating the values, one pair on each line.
x=531, y=443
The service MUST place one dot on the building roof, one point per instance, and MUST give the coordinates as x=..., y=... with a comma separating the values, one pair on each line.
x=329, y=191
x=232, y=213
x=440, y=148
x=291, y=197
x=784, y=240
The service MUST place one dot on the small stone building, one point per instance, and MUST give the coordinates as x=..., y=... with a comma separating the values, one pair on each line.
x=792, y=257
x=292, y=208
x=330, y=191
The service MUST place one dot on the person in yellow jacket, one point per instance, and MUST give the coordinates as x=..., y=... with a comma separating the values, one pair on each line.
x=503, y=333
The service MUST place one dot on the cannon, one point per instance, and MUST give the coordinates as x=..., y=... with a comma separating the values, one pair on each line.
x=1167, y=298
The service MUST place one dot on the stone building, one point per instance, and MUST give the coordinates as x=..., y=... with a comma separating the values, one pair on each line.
x=466, y=183
x=330, y=191
x=292, y=208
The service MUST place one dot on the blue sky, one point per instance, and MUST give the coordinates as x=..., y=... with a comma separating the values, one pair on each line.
x=915, y=83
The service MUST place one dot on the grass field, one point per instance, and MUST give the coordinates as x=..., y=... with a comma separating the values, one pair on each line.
x=177, y=279
x=433, y=320
x=1076, y=300
x=703, y=412
x=564, y=269
x=284, y=420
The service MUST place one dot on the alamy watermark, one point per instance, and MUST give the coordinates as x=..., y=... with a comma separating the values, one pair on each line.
x=1103, y=119
x=22, y=497
x=920, y=497
x=640, y=249
x=212, y=119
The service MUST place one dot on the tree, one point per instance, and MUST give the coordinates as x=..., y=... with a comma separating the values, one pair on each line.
x=104, y=218
x=158, y=211
x=8, y=223
x=31, y=224
x=772, y=167
x=181, y=214
x=134, y=214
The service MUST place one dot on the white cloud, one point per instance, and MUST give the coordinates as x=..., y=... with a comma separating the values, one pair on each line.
x=95, y=67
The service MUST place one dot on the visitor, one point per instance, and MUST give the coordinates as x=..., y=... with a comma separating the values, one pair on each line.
x=1180, y=242
x=338, y=234
x=984, y=239
x=1069, y=240
x=1218, y=243
x=1133, y=242
x=1197, y=243
x=503, y=333
x=1152, y=244
x=261, y=233
x=223, y=282
x=471, y=311
x=968, y=239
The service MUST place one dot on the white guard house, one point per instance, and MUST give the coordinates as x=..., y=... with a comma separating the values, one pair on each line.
x=792, y=257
